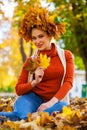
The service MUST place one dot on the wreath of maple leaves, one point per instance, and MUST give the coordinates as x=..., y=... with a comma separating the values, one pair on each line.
x=40, y=18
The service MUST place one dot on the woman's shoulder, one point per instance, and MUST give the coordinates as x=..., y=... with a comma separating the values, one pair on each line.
x=68, y=54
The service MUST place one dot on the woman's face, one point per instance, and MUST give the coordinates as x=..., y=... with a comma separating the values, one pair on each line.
x=41, y=39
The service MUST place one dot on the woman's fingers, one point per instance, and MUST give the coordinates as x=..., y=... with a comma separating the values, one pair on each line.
x=39, y=73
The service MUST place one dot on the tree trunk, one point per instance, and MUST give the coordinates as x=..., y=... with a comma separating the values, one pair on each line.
x=22, y=50
x=82, y=41
x=81, y=33
x=84, y=56
x=31, y=50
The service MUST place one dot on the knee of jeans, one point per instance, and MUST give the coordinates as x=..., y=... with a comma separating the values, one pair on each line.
x=64, y=103
x=23, y=117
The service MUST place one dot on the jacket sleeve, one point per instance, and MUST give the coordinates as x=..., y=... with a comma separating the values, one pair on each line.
x=69, y=77
x=23, y=86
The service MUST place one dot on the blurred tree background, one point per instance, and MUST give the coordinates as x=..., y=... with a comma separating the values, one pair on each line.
x=14, y=50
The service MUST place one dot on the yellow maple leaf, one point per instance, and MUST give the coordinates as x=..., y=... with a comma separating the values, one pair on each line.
x=67, y=111
x=44, y=61
x=35, y=62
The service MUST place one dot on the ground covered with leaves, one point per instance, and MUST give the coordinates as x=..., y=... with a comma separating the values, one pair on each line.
x=73, y=117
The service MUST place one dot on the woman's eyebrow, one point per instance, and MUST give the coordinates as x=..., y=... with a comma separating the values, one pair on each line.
x=38, y=35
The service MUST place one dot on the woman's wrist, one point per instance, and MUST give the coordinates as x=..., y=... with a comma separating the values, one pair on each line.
x=54, y=99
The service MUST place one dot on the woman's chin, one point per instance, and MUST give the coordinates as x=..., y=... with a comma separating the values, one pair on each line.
x=40, y=49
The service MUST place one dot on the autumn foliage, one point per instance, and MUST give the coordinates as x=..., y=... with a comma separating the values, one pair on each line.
x=73, y=117
x=34, y=62
x=39, y=17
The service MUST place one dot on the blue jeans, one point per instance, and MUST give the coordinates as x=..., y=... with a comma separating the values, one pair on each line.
x=29, y=103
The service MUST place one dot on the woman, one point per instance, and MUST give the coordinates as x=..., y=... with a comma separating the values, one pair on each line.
x=48, y=88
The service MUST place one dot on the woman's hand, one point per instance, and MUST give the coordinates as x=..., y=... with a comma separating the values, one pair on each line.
x=48, y=104
x=39, y=73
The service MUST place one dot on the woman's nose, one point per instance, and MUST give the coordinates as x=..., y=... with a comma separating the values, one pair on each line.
x=37, y=40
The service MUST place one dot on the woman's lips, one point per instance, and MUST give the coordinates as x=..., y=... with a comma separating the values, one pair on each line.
x=40, y=45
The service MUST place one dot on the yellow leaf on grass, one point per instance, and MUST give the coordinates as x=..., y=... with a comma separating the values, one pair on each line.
x=12, y=125
x=67, y=111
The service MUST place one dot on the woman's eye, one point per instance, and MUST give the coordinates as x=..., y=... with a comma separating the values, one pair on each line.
x=33, y=38
x=40, y=36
